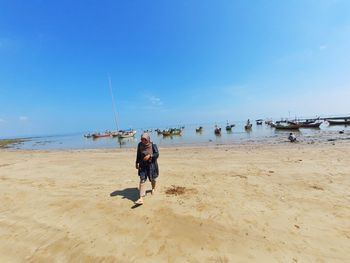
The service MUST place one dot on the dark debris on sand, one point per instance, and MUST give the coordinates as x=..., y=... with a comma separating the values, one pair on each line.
x=178, y=190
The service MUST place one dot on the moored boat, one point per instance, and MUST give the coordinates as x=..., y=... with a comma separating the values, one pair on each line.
x=337, y=122
x=309, y=125
x=175, y=131
x=217, y=130
x=259, y=122
x=166, y=132
x=287, y=126
x=99, y=135
x=229, y=126
x=127, y=134
x=199, y=129
x=248, y=126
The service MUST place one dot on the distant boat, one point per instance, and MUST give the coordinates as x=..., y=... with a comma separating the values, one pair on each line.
x=166, y=132
x=171, y=132
x=334, y=122
x=176, y=131
x=287, y=126
x=217, y=130
x=99, y=135
x=259, y=122
x=309, y=125
x=127, y=134
x=199, y=129
x=229, y=126
x=248, y=126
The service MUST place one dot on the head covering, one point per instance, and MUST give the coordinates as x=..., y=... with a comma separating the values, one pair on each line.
x=146, y=147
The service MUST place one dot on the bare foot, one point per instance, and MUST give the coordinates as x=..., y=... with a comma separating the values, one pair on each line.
x=153, y=191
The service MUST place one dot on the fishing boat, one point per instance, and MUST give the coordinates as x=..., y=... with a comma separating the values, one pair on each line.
x=217, y=130
x=166, y=133
x=127, y=134
x=248, y=126
x=175, y=131
x=309, y=121
x=287, y=126
x=229, y=126
x=336, y=122
x=309, y=125
x=199, y=129
x=123, y=134
x=259, y=122
x=99, y=135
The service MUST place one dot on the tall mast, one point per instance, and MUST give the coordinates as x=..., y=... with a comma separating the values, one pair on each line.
x=113, y=102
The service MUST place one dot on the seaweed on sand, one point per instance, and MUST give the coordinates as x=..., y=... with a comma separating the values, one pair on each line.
x=8, y=143
x=178, y=190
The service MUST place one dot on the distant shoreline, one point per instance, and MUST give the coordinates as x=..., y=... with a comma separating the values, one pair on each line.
x=11, y=145
x=259, y=135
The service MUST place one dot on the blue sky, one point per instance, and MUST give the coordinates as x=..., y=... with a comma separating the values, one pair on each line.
x=171, y=62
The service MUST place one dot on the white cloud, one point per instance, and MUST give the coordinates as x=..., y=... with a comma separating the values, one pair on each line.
x=23, y=118
x=323, y=47
x=155, y=101
x=2, y=120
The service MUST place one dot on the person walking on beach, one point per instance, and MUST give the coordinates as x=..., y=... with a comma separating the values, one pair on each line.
x=146, y=164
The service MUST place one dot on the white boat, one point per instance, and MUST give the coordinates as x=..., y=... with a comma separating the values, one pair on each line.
x=127, y=134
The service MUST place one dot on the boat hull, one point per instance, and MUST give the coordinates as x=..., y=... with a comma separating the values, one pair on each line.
x=287, y=127
x=310, y=125
x=95, y=136
x=128, y=134
x=338, y=122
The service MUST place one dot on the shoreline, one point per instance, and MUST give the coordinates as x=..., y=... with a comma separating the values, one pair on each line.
x=329, y=142
x=12, y=144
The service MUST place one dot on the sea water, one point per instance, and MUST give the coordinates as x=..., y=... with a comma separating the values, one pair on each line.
x=259, y=134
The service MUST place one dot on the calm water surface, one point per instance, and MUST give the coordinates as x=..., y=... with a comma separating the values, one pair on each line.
x=259, y=134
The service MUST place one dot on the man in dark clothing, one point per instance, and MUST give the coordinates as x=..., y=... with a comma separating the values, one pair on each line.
x=292, y=137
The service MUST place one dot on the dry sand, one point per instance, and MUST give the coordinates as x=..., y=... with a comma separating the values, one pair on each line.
x=287, y=203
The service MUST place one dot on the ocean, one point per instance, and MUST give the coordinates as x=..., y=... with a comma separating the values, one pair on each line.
x=259, y=134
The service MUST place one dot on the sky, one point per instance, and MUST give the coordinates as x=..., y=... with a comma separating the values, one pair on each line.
x=170, y=62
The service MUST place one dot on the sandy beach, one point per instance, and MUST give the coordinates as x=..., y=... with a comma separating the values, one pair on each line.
x=245, y=203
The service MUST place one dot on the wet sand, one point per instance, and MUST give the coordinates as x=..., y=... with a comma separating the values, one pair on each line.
x=241, y=203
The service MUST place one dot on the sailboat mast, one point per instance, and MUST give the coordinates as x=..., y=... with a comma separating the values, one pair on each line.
x=113, y=102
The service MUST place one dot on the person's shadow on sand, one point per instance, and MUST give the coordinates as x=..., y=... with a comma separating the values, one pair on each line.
x=131, y=194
